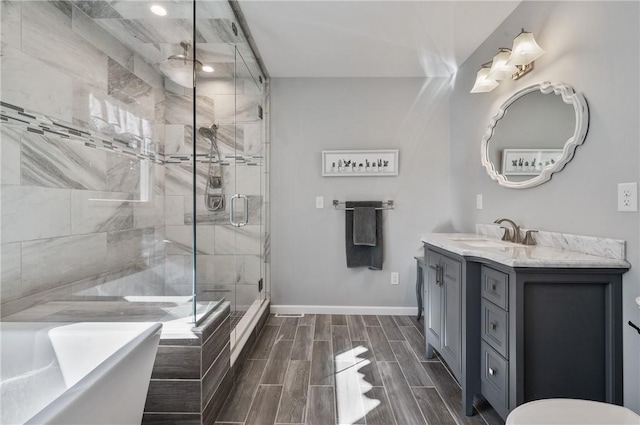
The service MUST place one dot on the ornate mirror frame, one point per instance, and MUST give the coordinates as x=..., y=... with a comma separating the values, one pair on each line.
x=569, y=96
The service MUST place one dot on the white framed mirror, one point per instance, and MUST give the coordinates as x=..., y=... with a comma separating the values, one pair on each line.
x=534, y=134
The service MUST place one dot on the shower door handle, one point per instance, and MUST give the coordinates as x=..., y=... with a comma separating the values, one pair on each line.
x=233, y=207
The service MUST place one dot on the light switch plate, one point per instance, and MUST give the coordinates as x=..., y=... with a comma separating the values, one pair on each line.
x=319, y=201
x=628, y=197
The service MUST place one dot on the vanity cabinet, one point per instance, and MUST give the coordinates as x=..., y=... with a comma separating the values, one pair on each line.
x=494, y=329
x=444, y=277
x=450, y=288
x=518, y=334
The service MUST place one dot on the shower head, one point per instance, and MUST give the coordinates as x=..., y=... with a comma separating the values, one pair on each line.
x=179, y=68
x=208, y=132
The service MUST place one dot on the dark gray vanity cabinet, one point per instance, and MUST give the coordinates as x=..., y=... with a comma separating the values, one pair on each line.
x=559, y=335
x=451, y=291
x=518, y=334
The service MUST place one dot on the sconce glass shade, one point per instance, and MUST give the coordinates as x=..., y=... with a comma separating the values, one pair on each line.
x=484, y=84
x=525, y=49
x=500, y=68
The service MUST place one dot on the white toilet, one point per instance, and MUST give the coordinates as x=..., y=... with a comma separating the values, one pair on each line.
x=557, y=411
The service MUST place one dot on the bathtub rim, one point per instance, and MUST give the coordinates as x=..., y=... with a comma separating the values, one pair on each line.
x=57, y=405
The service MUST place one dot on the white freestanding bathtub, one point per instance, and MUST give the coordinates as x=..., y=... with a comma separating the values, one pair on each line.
x=75, y=373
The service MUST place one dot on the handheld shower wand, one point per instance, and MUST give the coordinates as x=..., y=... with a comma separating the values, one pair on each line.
x=213, y=194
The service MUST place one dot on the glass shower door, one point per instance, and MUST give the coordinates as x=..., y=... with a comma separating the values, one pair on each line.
x=246, y=214
x=229, y=198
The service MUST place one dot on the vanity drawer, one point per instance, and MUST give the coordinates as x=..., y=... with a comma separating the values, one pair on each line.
x=494, y=379
x=495, y=287
x=495, y=328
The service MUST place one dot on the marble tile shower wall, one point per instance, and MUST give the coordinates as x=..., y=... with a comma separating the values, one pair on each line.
x=57, y=239
x=59, y=61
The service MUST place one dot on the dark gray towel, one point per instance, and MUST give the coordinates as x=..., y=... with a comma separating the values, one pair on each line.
x=364, y=226
x=363, y=255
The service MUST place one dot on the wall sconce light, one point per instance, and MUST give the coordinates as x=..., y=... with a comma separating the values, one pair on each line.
x=513, y=63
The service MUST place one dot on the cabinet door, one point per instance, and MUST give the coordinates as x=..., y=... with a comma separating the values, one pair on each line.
x=452, y=332
x=433, y=300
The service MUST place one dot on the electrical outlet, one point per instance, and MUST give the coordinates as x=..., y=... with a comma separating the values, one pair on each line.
x=319, y=201
x=628, y=197
x=479, y=201
x=395, y=278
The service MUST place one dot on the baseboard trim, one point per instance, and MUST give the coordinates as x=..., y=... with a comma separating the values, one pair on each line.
x=337, y=309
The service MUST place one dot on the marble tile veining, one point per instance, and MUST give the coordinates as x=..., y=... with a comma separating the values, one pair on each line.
x=219, y=269
x=147, y=73
x=93, y=212
x=47, y=35
x=174, y=210
x=50, y=91
x=179, y=240
x=10, y=155
x=237, y=240
x=10, y=22
x=34, y=213
x=252, y=269
x=124, y=174
x=591, y=245
x=134, y=38
x=178, y=275
x=179, y=179
x=50, y=262
x=217, y=31
x=179, y=110
x=11, y=272
x=129, y=246
x=149, y=213
x=52, y=162
x=87, y=28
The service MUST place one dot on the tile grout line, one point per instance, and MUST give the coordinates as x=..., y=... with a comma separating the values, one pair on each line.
x=255, y=395
x=355, y=363
x=384, y=387
x=405, y=377
x=306, y=404
x=282, y=389
x=333, y=381
x=449, y=409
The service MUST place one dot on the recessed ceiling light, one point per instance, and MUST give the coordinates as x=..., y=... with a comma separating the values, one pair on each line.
x=158, y=10
x=207, y=68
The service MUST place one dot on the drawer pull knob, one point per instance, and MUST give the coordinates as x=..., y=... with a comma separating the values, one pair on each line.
x=492, y=372
x=493, y=325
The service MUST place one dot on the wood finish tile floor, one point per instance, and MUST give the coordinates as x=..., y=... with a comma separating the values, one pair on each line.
x=346, y=370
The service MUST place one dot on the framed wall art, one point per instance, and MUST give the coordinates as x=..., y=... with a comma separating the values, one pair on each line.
x=358, y=163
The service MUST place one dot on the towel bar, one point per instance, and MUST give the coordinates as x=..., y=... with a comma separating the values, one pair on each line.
x=389, y=204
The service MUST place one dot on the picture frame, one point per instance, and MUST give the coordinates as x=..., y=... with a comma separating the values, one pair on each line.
x=520, y=162
x=360, y=163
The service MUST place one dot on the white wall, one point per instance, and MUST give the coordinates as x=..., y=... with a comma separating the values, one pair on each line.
x=307, y=244
x=593, y=46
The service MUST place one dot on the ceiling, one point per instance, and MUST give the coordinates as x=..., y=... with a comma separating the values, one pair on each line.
x=394, y=38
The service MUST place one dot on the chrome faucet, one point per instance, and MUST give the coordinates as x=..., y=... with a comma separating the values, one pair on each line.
x=516, y=231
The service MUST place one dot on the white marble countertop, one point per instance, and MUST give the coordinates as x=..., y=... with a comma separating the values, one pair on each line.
x=517, y=255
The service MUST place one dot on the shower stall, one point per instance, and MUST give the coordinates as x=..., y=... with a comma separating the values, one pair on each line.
x=134, y=181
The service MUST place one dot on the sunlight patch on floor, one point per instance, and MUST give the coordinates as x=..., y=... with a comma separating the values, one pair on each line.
x=351, y=402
